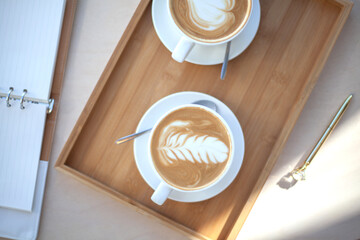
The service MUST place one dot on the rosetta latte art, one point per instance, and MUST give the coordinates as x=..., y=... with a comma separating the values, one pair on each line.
x=190, y=148
x=178, y=145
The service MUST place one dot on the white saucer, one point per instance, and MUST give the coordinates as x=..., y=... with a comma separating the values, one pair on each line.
x=161, y=107
x=201, y=54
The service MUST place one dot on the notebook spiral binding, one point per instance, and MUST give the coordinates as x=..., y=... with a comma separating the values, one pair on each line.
x=23, y=98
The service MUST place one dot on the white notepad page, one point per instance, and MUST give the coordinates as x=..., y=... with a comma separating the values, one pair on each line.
x=20, y=148
x=29, y=37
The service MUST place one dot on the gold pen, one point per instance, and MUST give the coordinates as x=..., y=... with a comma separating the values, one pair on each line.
x=299, y=173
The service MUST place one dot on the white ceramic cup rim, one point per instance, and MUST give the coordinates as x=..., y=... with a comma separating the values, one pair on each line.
x=207, y=43
x=229, y=163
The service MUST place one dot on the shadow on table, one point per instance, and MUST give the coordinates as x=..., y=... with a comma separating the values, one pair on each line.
x=287, y=181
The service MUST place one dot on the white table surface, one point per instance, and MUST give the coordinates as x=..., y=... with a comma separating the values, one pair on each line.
x=325, y=206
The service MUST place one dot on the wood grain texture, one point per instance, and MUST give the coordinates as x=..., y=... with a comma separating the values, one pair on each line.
x=266, y=87
x=59, y=72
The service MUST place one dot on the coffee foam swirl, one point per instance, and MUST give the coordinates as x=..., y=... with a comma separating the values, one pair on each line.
x=179, y=144
x=190, y=148
x=210, y=20
x=211, y=15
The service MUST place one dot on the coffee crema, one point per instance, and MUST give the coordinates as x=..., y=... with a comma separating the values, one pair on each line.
x=210, y=21
x=190, y=148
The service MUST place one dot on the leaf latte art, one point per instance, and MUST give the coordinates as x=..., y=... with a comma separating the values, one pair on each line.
x=190, y=148
x=210, y=20
x=177, y=146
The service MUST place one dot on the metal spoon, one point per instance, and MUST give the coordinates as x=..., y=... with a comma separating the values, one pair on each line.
x=205, y=103
x=226, y=59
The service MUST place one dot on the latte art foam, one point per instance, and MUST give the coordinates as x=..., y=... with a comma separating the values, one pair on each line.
x=210, y=20
x=190, y=148
x=211, y=15
x=177, y=143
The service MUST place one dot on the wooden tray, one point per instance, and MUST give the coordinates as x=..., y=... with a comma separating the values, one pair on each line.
x=266, y=87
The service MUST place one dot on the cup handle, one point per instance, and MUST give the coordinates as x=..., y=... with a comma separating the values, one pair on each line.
x=182, y=49
x=161, y=194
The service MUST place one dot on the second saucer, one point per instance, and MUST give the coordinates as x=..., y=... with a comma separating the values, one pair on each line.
x=201, y=54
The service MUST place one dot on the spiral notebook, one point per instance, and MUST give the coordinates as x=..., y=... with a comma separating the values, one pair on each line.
x=29, y=38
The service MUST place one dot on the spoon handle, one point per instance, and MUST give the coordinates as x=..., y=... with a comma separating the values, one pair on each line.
x=205, y=103
x=226, y=59
x=131, y=136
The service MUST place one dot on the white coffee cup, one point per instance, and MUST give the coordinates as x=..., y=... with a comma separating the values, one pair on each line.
x=164, y=189
x=186, y=43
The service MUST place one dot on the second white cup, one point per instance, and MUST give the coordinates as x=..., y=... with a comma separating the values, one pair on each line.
x=186, y=43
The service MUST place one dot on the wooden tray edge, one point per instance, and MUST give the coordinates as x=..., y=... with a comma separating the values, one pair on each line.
x=101, y=82
x=296, y=110
x=130, y=202
x=58, y=77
